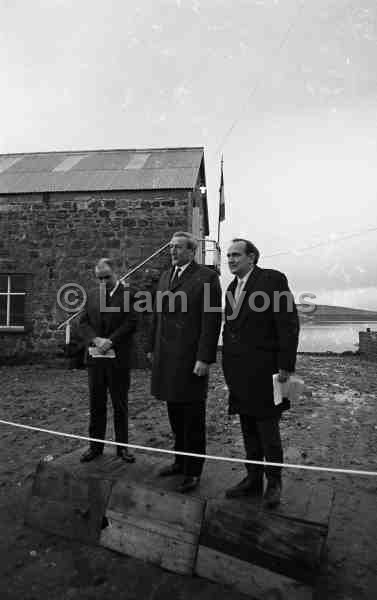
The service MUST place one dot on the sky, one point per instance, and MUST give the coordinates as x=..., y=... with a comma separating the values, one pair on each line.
x=286, y=90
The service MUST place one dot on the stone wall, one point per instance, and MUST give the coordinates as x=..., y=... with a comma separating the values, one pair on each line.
x=56, y=238
x=368, y=344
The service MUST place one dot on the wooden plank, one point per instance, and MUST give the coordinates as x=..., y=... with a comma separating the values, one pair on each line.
x=65, y=505
x=247, y=578
x=320, y=503
x=171, y=548
x=284, y=545
x=132, y=499
x=107, y=466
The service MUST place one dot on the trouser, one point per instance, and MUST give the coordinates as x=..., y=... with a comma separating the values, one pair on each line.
x=262, y=441
x=188, y=424
x=103, y=375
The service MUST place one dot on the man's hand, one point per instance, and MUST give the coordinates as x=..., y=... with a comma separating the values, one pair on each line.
x=103, y=344
x=201, y=368
x=107, y=344
x=150, y=356
x=283, y=376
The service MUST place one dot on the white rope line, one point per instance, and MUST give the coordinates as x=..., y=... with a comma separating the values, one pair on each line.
x=191, y=454
x=338, y=237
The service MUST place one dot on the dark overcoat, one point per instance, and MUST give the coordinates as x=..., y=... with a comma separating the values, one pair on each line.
x=118, y=325
x=183, y=334
x=262, y=339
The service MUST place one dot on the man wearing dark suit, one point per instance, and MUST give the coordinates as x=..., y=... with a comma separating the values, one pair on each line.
x=183, y=344
x=260, y=338
x=107, y=326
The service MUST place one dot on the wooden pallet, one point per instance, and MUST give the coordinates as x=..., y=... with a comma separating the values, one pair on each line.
x=127, y=508
x=154, y=525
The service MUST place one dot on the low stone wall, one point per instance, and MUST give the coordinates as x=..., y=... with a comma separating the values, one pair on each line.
x=368, y=344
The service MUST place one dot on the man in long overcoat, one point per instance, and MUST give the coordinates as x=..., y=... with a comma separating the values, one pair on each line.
x=260, y=338
x=186, y=327
x=107, y=326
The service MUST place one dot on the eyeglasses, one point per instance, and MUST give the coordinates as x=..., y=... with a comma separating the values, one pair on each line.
x=103, y=277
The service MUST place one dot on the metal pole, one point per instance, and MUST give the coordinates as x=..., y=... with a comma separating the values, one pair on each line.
x=221, y=189
x=75, y=315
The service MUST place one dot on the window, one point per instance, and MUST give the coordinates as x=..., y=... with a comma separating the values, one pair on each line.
x=12, y=301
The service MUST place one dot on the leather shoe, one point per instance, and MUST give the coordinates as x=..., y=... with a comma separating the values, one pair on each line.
x=173, y=469
x=126, y=455
x=249, y=486
x=90, y=455
x=273, y=493
x=188, y=484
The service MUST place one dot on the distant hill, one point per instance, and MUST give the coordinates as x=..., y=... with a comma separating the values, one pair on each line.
x=325, y=312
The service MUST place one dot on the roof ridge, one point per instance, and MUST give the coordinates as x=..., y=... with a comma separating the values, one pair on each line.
x=104, y=150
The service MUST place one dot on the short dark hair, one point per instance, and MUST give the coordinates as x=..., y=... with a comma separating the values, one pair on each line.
x=249, y=248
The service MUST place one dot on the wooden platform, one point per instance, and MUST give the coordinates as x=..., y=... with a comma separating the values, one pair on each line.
x=129, y=509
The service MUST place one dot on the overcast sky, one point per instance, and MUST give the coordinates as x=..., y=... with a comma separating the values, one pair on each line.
x=285, y=89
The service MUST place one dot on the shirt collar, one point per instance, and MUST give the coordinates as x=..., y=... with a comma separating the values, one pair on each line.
x=181, y=267
x=244, y=279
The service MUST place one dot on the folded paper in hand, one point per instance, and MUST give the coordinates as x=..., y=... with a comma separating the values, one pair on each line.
x=289, y=390
x=94, y=352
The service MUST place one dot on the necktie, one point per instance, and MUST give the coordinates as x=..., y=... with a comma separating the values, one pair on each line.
x=104, y=313
x=238, y=290
x=175, y=277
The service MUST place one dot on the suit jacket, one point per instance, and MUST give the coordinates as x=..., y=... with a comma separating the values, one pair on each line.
x=180, y=337
x=118, y=326
x=260, y=341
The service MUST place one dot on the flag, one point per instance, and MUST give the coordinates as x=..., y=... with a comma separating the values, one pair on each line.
x=222, y=196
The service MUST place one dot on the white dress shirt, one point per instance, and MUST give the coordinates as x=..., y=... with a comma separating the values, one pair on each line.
x=241, y=282
x=181, y=269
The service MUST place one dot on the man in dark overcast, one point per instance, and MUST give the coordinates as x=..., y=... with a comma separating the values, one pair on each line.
x=260, y=338
x=184, y=343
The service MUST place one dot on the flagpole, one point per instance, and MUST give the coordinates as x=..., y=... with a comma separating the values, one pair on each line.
x=221, y=185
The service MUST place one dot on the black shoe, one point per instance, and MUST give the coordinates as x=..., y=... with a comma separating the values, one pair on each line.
x=90, y=455
x=125, y=455
x=272, y=496
x=173, y=469
x=188, y=484
x=249, y=486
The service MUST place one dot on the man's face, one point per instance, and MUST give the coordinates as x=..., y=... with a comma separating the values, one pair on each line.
x=179, y=252
x=238, y=261
x=105, y=276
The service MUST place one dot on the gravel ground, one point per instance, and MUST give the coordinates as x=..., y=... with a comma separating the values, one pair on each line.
x=334, y=424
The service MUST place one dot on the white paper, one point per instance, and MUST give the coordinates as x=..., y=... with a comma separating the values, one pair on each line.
x=94, y=352
x=291, y=389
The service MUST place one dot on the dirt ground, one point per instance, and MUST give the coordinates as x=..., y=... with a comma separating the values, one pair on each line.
x=334, y=424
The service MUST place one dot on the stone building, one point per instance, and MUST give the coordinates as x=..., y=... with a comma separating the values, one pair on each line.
x=61, y=211
x=368, y=344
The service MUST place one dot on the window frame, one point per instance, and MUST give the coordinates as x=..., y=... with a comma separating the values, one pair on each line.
x=8, y=294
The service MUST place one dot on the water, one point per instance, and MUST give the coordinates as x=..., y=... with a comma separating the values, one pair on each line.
x=332, y=336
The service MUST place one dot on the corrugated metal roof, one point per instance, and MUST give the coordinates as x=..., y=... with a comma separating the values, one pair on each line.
x=98, y=170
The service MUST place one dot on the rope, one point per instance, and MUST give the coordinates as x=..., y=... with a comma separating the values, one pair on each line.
x=337, y=238
x=191, y=454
